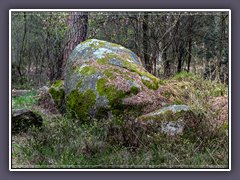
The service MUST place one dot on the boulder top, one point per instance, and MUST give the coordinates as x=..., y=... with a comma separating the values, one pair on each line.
x=98, y=49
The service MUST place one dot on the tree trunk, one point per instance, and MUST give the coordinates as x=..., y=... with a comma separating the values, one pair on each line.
x=145, y=43
x=220, y=53
x=78, y=25
x=189, y=54
x=190, y=33
x=166, y=64
x=139, y=39
x=22, y=47
x=180, y=56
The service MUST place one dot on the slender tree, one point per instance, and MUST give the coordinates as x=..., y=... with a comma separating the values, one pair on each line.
x=146, y=42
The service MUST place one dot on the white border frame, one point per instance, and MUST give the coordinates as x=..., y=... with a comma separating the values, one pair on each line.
x=118, y=10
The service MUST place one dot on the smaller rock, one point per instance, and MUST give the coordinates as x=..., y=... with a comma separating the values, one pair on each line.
x=170, y=120
x=23, y=119
x=172, y=128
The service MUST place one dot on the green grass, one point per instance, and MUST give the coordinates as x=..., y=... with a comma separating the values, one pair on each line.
x=197, y=84
x=190, y=89
x=64, y=143
x=25, y=101
x=184, y=75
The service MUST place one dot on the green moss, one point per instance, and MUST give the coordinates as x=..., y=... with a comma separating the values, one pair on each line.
x=111, y=92
x=101, y=86
x=107, y=58
x=103, y=61
x=155, y=82
x=109, y=73
x=134, y=90
x=151, y=85
x=58, y=83
x=99, y=43
x=113, y=95
x=131, y=66
x=57, y=92
x=96, y=45
x=79, y=84
x=79, y=104
x=87, y=70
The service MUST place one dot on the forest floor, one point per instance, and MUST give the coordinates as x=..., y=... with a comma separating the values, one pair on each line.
x=63, y=143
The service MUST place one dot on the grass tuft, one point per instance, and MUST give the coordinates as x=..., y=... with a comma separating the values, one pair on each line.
x=25, y=101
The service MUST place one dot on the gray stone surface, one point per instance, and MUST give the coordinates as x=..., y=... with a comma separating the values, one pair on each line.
x=173, y=108
x=168, y=120
x=172, y=128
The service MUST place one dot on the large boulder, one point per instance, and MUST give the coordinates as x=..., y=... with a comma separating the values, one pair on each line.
x=103, y=78
x=23, y=119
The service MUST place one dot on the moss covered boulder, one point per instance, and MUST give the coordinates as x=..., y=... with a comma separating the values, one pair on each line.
x=102, y=78
x=171, y=120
